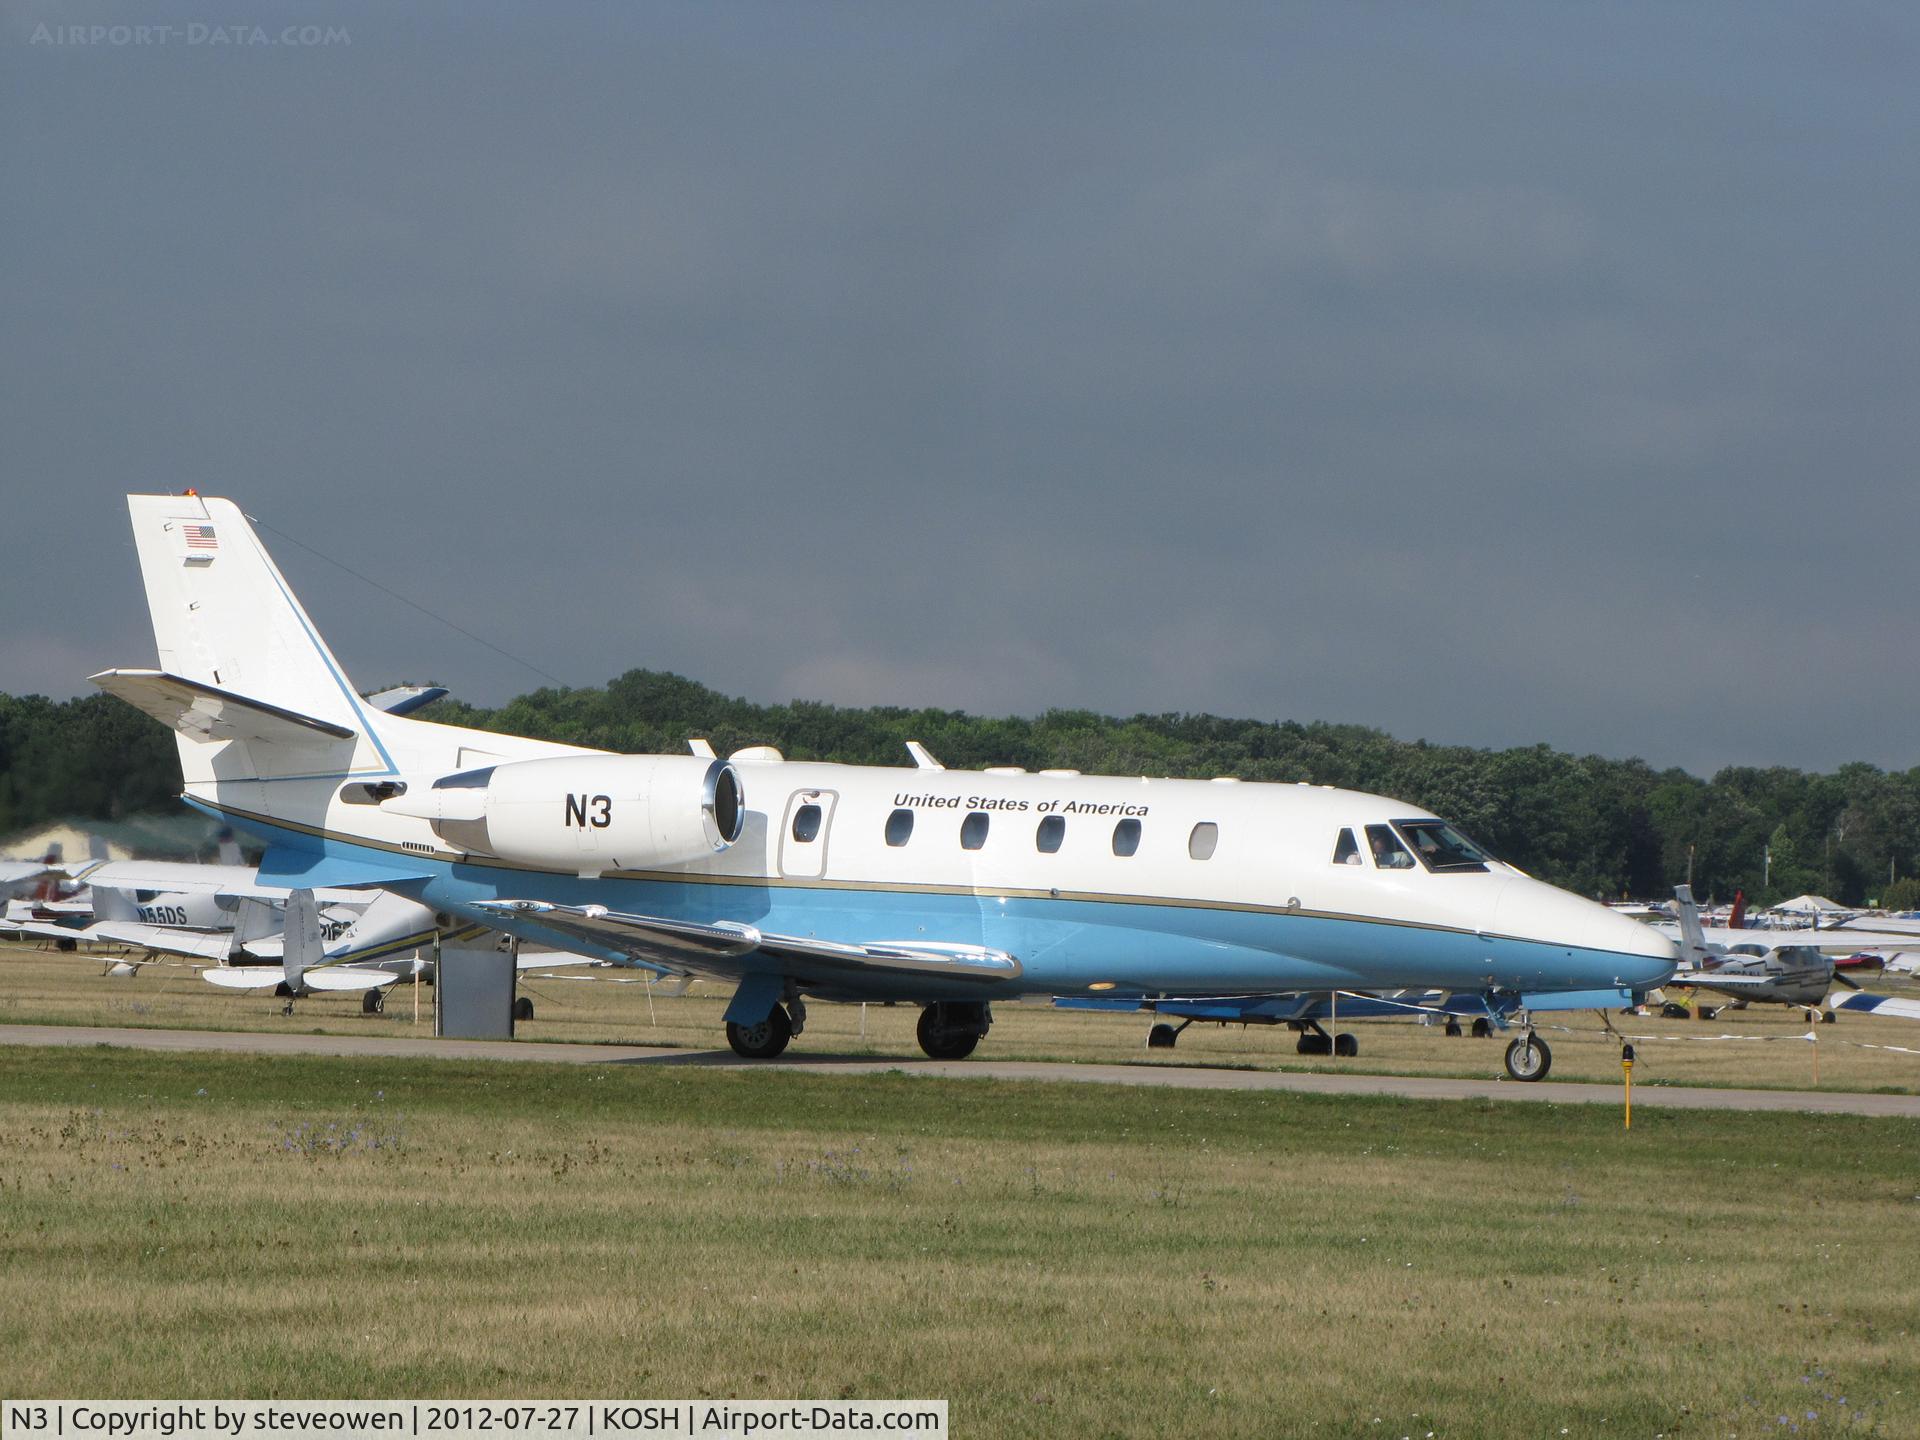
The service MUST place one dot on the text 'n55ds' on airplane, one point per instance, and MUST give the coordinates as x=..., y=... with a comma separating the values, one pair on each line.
x=794, y=881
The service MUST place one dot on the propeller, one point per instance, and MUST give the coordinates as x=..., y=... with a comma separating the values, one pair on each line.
x=1840, y=979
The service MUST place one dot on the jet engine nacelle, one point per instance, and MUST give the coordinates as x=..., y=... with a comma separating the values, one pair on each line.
x=585, y=812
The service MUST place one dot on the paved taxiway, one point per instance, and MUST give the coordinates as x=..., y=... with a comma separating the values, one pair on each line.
x=1174, y=1076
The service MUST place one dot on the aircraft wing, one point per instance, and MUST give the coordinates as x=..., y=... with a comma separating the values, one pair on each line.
x=1734, y=984
x=1876, y=1004
x=47, y=930
x=162, y=939
x=223, y=880
x=720, y=950
x=552, y=960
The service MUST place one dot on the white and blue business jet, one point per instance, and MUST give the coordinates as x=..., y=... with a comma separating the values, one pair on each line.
x=793, y=881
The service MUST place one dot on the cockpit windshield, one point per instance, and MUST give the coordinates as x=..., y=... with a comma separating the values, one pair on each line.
x=1388, y=852
x=1442, y=848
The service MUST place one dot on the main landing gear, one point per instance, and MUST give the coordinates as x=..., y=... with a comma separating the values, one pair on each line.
x=1164, y=1036
x=1528, y=1058
x=372, y=1002
x=764, y=1040
x=950, y=1029
x=1315, y=1041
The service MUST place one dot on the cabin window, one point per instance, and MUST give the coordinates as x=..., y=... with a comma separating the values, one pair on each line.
x=1201, y=841
x=1052, y=831
x=1441, y=847
x=1126, y=837
x=973, y=830
x=899, y=827
x=1388, y=852
x=1346, y=850
x=806, y=824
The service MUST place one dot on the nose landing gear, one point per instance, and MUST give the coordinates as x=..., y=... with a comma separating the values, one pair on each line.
x=1528, y=1058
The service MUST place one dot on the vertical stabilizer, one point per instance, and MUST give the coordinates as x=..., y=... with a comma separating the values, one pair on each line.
x=302, y=945
x=1692, y=937
x=223, y=615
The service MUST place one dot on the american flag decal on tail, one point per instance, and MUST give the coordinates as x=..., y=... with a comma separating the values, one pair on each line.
x=200, y=537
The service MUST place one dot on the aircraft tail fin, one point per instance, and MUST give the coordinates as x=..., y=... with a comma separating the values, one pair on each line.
x=1738, y=919
x=253, y=919
x=111, y=903
x=1691, y=935
x=302, y=946
x=240, y=661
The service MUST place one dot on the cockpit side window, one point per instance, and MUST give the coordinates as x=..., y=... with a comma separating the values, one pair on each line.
x=1442, y=848
x=1346, y=850
x=1388, y=852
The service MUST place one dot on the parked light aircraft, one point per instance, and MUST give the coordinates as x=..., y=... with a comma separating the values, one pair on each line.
x=305, y=966
x=944, y=889
x=1785, y=971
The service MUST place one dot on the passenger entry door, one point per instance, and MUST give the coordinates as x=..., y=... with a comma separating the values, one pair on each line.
x=803, y=833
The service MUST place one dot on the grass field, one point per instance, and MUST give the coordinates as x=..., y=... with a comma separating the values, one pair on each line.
x=40, y=987
x=1053, y=1259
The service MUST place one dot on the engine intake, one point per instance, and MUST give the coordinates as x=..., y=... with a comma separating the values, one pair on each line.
x=585, y=812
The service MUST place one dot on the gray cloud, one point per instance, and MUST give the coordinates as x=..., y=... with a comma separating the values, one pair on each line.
x=1495, y=375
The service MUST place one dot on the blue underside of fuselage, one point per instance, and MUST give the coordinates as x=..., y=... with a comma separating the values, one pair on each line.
x=1063, y=945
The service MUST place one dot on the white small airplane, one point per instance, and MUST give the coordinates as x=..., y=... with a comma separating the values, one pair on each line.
x=797, y=881
x=306, y=967
x=1779, y=971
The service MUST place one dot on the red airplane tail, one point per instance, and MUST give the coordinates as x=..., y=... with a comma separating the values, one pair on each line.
x=1738, y=919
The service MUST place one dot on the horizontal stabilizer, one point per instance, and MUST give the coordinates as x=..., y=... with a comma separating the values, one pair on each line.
x=405, y=699
x=347, y=977
x=207, y=714
x=245, y=977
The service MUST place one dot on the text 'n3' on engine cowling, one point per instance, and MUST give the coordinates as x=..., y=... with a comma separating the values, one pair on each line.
x=585, y=812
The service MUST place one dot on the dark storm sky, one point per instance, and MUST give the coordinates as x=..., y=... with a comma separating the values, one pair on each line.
x=1493, y=374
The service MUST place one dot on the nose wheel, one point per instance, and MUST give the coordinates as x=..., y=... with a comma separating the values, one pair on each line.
x=1528, y=1058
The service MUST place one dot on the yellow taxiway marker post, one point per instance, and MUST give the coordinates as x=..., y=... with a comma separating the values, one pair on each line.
x=1626, y=1065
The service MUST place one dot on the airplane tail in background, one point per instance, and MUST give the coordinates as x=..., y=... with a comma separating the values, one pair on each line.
x=302, y=946
x=1692, y=937
x=1738, y=919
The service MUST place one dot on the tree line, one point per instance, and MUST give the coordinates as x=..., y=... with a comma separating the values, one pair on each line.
x=1598, y=826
